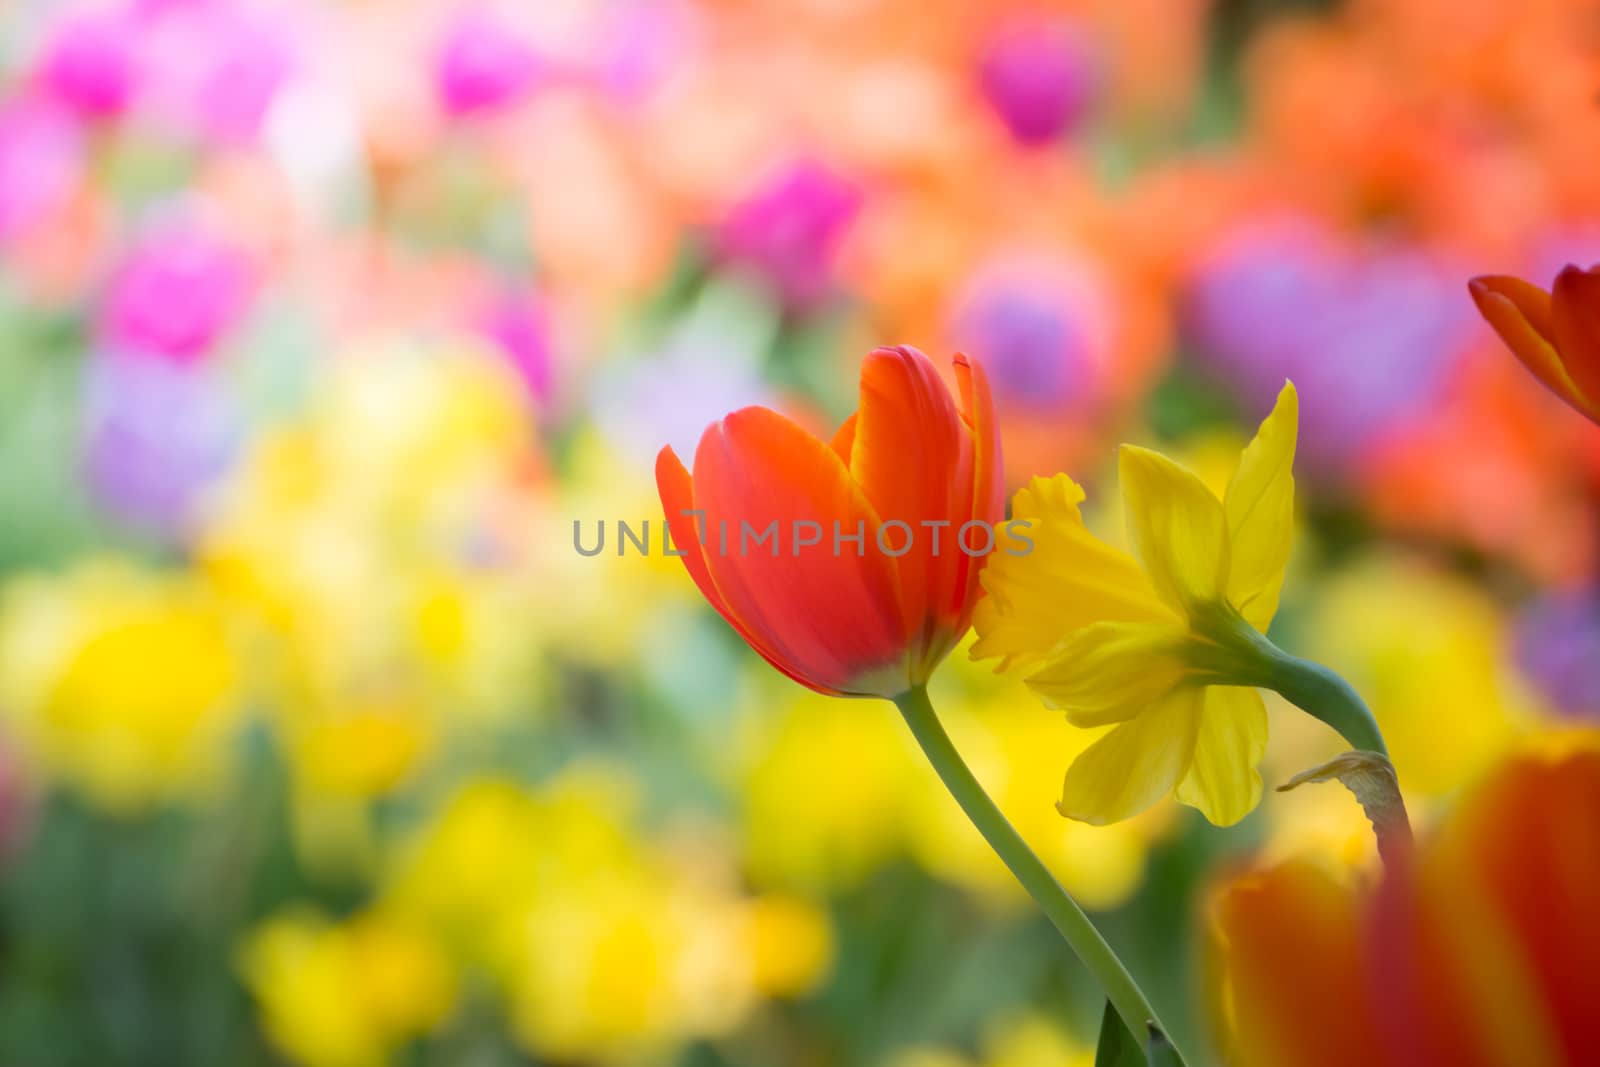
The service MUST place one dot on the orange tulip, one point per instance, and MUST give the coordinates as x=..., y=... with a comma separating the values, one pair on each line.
x=1555, y=334
x=844, y=564
x=1481, y=950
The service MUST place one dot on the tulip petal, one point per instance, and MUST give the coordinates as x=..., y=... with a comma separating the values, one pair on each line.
x=832, y=610
x=1287, y=945
x=1068, y=580
x=1223, y=781
x=1575, y=320
x=1514, y=848
x=1260, y=509
x=677, y=498
x=844, y=440
x=1522, y=315
x=988, y=481
x=1111, y=671
x=1136, y=764
x=912, y=456
x=1177, y=526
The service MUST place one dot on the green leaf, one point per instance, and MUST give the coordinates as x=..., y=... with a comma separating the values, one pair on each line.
x=1117, y=1047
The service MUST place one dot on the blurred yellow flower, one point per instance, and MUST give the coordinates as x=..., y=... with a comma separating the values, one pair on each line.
x=799, y=835
x=614, y=605
x=485, y=835
x=791, y=945
x=1021, y=1041
x=930, y=1057
x=374, y=547
x=365, y=749
x=350, y=994
x=1148, y=646
x=121, y=682
x=882, y=802
x=606, y=945
x=1421, y=644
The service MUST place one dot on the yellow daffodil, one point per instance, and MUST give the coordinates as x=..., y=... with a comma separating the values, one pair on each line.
x=1160, y=645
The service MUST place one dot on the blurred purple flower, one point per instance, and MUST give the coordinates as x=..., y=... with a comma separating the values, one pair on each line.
x=1035, y=329
x=91, y=63
x=788, y=231
x=1557, y=644
x=483, y=64
x=669, y=396
x=1041, y=76
x=521, y=329
x=157, y=437
x=176, y=293
x=41, y=155
x=1369, y=336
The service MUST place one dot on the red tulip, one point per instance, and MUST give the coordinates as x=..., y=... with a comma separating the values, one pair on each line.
x=1555, y=334
x=1480, y=950
x=850, y=566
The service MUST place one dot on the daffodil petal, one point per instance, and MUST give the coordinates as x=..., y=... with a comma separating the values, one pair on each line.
x=1223, y=781
x=1260, y=509
x=1067, y=579
x=1136, y=764
x=1177, y=526
x=1112, y=671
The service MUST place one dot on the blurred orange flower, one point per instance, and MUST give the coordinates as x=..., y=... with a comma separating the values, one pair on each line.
x=1479, y=949
x=1491, y=435
x=881, y=584
x=1555, y=334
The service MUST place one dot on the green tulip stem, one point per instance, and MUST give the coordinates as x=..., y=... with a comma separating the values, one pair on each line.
x=1091, y=948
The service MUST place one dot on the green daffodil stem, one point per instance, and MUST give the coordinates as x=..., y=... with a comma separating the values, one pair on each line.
x=1119, y=986
x=1322, y=694
x=1233, y=652
x=1245, y=655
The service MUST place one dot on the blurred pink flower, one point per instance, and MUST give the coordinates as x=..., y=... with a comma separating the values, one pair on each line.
x=521, y=329
x=788, y=231
x=1041, y=76
x=91, y=63
x=640, y=45
x=483, y=65
x=179, y=289
x=217, y=66
x=41, y=155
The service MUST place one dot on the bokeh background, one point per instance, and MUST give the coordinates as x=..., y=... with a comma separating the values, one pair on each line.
x=322, y=323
